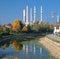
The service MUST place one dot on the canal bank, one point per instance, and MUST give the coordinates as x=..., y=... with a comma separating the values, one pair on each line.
x=19, y=36
x=52, y=46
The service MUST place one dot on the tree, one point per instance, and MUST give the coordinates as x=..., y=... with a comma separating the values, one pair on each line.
x=1, y=31
x=44, y=27
x=51, y=28
x=24, y=29
x=36, y=28
x=17, y=25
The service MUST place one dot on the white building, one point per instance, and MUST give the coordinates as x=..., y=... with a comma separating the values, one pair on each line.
x=56, y=28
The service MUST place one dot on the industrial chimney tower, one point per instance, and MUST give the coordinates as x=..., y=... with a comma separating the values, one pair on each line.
x=34, y=14
x=31, y=16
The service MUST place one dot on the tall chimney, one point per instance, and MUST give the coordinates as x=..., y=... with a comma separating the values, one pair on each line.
x=31, y=16
x=34, y=14
x=41, y=14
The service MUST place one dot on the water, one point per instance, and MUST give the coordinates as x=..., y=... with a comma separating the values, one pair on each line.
x=17, y=49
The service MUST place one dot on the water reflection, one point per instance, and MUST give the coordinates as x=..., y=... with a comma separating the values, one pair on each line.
x=17, y=46
x=4, y=45
x=22, y=50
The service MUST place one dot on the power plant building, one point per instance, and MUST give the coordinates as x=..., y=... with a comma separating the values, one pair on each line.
x=25, y=15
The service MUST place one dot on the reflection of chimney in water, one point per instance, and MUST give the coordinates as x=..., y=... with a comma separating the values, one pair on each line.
x=26, y=49
x=30, y=48
x=23, y=47
x=34, y=48
x=40, y=50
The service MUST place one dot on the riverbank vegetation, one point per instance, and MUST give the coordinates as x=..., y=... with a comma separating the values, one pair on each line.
x=18, y=27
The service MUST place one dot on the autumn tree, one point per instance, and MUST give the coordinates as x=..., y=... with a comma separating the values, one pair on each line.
x=17, y=25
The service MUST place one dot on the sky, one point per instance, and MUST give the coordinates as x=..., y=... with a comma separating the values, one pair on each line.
x=11, y=10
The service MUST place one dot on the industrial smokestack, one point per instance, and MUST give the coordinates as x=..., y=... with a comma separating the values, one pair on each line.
x=41, y=14
x=24, y=16
x=31, y=16
x=34, y=14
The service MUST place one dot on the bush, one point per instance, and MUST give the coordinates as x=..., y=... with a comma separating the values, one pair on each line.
x=24, y=29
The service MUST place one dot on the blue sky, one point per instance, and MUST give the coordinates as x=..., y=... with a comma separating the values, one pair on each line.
x=13, y=9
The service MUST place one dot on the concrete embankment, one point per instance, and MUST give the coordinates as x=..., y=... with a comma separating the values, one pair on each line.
x=52, y=46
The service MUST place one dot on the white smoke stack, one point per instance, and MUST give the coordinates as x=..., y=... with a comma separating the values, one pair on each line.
x=24, y=16
x=34, y=14
x=31, y=16
x=41, y=14
x=57, y=19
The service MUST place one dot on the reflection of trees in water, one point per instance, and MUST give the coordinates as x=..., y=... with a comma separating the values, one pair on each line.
x=17, y=46
x=4, y=45
x=7, y=44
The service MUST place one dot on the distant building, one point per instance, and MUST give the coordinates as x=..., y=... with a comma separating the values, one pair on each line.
x=56, y=28
x=8, y=26
x=0, y=27
x=3, y=28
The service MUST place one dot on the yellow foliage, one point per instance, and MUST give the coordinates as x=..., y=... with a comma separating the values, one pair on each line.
x=16, y=25
x=25, y=29
x=16, y=46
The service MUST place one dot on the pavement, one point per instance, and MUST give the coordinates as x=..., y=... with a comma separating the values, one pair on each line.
x=54, y=37
x=52, y=46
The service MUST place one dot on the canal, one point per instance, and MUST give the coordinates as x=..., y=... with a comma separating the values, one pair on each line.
x=16, y=49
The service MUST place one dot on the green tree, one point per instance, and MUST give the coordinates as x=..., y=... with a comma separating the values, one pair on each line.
x=51, y=28
x=36, y=28
x=24, y=29
x=44, y=27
